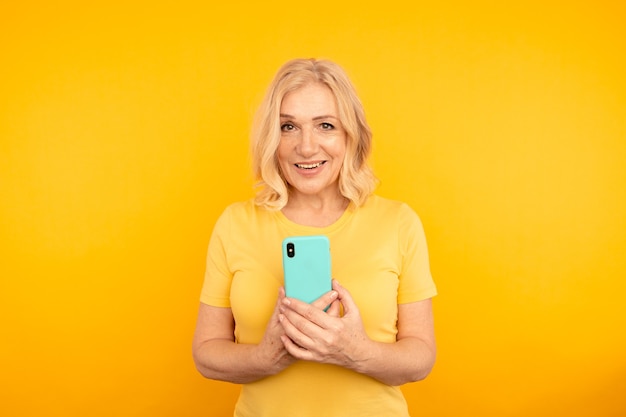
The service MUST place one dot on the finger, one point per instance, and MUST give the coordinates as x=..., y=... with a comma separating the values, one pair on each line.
x=346, y=299
x=307, y=313
x=294, y=350
x=325, y=300
x=294, y=332
x=335, y=309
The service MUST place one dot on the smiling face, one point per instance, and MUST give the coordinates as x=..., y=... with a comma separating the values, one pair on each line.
x=313, y=142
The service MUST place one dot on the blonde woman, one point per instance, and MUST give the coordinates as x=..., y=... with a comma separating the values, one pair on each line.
x=310, y=148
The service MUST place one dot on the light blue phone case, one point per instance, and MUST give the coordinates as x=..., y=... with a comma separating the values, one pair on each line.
x=306, y=267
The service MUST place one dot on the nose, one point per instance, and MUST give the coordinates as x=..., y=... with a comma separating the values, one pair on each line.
x=308, y=143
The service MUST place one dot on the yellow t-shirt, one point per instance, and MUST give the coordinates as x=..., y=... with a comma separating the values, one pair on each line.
x=378, y=252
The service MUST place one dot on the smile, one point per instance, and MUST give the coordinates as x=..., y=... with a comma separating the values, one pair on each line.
x=310, y=166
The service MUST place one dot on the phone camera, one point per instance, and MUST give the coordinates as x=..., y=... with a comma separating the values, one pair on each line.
x=291, y=250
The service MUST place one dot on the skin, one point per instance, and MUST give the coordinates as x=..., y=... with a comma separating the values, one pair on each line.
x=217, y=356
x=314, y=335
x=311, y=151
x=310, y=154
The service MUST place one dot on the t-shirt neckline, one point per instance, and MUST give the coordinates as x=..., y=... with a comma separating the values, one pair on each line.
x=297, y=228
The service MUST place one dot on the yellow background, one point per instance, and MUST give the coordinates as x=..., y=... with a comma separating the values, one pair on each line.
x=123, y=134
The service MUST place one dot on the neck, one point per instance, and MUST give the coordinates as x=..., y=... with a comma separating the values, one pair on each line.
x=316, y=211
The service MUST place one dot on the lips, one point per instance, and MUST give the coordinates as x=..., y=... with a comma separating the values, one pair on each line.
x=310, y=166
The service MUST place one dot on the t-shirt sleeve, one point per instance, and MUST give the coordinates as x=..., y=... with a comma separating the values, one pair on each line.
x=218, y=276
x=416, y=282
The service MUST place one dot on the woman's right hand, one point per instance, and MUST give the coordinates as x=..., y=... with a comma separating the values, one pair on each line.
x=271, y=349
x=218, y=356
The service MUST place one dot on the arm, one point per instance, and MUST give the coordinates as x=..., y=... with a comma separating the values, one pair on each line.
x=316, y=336
x=218, y=356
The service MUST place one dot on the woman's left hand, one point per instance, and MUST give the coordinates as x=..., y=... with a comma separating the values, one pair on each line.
x=313, y=334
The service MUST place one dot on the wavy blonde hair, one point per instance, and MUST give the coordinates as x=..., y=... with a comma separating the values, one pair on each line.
x=356, y=179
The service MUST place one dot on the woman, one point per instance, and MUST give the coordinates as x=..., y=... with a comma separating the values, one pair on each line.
x=310, y=145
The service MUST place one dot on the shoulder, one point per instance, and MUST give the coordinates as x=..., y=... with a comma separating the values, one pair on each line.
x=238, y=208
x=244, y=214
x=382, y=205
x=243, y=209
x=393, y=214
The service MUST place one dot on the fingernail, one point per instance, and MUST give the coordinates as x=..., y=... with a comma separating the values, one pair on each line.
x=333, y=294
x=286, y=301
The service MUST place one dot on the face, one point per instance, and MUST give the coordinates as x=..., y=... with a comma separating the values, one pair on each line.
x=313, y=142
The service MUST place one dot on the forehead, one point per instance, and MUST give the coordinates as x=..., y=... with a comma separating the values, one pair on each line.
x=312, y=99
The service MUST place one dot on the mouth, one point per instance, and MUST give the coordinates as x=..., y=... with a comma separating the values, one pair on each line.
x=310, y=166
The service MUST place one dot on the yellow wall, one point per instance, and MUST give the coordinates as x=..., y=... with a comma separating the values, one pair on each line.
x=123, y=134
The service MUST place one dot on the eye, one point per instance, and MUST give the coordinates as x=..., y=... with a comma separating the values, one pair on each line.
x=287, y=127
x=327, y=126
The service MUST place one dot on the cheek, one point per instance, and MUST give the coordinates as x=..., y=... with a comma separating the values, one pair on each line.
x=340, y=151
x=282, y=152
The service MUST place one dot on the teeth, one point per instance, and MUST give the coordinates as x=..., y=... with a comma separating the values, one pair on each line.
x=309, y=166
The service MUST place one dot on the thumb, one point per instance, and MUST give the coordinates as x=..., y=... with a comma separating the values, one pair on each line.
x=334, y=309
x=343, y=295
x=281, y=296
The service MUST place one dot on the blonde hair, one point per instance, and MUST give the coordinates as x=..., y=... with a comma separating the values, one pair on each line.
x=356, y=179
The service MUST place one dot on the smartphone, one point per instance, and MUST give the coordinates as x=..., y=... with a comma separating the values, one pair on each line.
x=306, y=267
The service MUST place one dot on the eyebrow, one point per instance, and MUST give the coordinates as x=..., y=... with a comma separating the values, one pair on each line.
x=325, y=116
